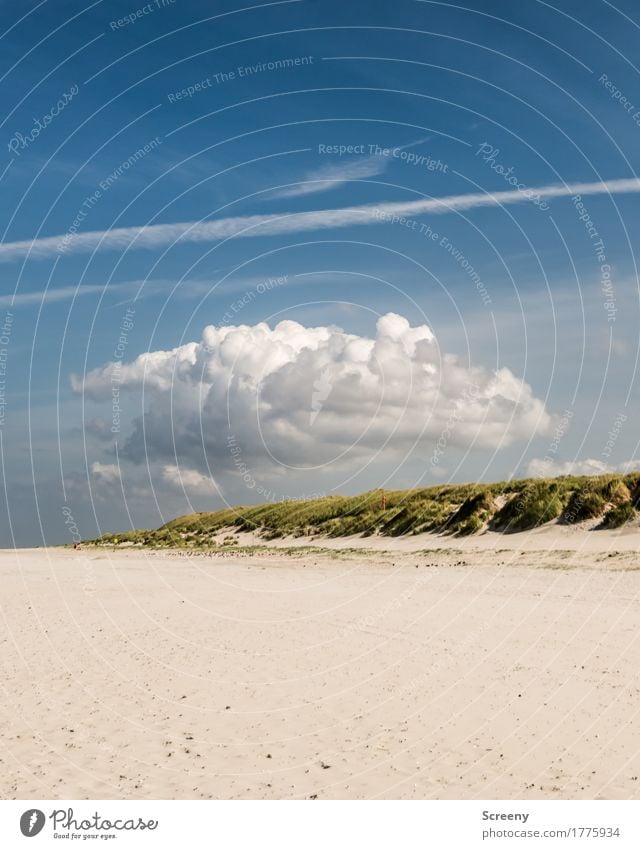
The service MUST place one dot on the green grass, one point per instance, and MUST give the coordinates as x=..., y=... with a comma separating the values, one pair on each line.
x=472, y=514
x=584, y=503
x=592, y=499
x=619, y=516
x=538, y=503
x=457, y=509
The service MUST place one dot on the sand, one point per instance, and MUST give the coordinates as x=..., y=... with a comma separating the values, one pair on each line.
x=470, y=672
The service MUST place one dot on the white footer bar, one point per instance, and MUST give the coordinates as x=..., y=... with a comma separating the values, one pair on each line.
x=320, y=824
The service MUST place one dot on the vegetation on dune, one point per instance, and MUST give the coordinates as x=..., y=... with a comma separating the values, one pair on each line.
x=619, y=516
x=584, y=503
x=472, y=514
x=633, y=484
x=594, y=497
x=457, y=509
x=538, y=503
x=617, y=491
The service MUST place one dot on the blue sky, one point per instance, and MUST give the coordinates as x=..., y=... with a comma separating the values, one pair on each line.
x=182, y=145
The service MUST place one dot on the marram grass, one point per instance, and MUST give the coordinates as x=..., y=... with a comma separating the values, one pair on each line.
x=456, y=509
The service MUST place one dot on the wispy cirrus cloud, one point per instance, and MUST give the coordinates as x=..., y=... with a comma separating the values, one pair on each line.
x=64, y=293
x=68, y=293
x=137, y=289
x=332, y=176
x=244, y=226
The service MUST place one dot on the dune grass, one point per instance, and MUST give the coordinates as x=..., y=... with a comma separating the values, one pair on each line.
x=538, y=502
x=618, y=516
x=585, y=503
x=456, y=509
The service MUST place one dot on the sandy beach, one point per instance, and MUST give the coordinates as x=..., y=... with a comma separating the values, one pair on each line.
x=418, y=668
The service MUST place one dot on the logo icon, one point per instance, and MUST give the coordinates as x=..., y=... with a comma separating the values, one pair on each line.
x=32, y=822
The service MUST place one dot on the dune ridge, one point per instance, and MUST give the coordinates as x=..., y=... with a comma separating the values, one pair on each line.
x=458, y=510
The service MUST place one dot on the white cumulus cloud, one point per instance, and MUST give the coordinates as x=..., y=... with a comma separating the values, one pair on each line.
x=295, y=397
x=108, y=472
x=188, y=479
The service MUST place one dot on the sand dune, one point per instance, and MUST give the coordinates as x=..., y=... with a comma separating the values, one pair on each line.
x=468, y=673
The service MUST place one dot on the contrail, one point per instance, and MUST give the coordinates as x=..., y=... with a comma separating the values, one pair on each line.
x=161, y=235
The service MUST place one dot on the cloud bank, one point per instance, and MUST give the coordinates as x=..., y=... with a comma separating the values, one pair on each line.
x=162, y=235
x=590, y=466
x=255, y=399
